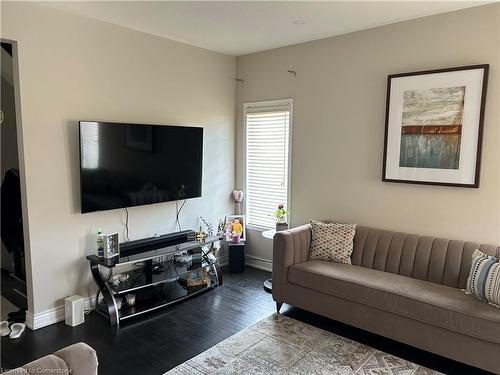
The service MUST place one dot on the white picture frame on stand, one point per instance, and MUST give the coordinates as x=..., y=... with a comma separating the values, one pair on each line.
x=239, y=222
x=111, y=246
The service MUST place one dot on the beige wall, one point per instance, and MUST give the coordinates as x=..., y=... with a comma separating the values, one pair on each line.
x=338, y=127
x=74, y=68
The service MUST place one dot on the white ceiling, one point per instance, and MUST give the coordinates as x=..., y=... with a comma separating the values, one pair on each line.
x=242, y=27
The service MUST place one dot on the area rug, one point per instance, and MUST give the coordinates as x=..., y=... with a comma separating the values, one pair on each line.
x=282, y=345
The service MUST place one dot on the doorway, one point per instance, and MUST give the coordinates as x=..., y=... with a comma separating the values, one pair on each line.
x=13, y=261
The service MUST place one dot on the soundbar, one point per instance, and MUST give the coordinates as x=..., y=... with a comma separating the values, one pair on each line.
x=152, y=243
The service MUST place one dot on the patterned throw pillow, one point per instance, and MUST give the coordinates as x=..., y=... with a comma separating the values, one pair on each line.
x=332, y=241
x=484, y=278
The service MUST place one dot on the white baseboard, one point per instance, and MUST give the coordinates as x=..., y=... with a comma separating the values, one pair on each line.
x=44, y=318
x=259, y=263
x=52, y=316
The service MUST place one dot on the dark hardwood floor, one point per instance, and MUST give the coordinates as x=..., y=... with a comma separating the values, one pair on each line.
x=169, y=337
x=162, y=340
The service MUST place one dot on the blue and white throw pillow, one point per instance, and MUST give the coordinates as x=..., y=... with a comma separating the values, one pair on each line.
x=484, y=278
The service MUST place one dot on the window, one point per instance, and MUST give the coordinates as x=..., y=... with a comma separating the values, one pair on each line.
x=267, y=135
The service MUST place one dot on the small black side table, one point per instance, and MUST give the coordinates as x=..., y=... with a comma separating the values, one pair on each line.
x=236, y=257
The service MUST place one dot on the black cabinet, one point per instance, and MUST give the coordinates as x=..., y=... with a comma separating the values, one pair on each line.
x=236, y=257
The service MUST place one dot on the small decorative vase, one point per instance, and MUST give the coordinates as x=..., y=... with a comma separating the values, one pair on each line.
x=281, y=227
x=119, y=302
x=130, y=299
x=235, y=238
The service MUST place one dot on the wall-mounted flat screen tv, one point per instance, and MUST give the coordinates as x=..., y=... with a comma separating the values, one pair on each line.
x=125, y=165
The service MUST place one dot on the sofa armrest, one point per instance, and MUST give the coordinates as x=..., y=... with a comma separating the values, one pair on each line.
x=45, y=365
x=80, y=358
x=289, y=247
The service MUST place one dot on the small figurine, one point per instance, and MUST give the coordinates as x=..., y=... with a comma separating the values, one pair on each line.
x=200, y=235
x=221, y=229
x=236, y=227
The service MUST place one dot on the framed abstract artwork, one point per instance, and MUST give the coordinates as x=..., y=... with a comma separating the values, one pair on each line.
x=434, y=126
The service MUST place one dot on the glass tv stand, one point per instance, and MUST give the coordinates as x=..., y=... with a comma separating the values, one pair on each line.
x=154, y=279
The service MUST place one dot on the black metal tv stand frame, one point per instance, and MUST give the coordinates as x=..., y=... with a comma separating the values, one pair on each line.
x=154, y=274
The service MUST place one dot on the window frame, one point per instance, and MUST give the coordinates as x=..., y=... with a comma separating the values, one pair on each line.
x=269, y=105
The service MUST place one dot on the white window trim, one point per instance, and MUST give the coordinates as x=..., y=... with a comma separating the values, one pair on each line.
x=268, y=105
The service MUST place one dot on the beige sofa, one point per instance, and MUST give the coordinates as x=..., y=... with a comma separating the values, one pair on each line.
x=402, y=286
x=76, y=359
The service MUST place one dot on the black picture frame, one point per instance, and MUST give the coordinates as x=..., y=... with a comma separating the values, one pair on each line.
x=475, y=184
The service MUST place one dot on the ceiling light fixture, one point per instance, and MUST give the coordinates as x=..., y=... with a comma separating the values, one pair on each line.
x=299, y=22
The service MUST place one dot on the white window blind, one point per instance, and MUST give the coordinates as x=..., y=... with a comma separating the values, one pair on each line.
x=267, y=153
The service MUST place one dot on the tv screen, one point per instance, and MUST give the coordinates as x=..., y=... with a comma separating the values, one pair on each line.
x=125, y=165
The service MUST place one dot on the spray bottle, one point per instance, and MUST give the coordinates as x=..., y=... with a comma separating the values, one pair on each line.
x=100, y=243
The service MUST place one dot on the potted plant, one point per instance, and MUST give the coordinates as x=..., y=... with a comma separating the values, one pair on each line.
x=280, y=216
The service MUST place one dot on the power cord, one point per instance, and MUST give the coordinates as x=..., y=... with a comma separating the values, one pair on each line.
x=126, y=225
x=177, y=217
x=178, y=212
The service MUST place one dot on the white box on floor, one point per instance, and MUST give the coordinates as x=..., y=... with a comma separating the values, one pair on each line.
x=73, y=310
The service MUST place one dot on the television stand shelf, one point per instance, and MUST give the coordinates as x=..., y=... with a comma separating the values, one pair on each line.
x=160, y=280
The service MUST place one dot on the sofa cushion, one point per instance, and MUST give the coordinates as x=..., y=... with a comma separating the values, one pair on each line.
x=427, y=302
x=484, y=278
x=332, y=241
